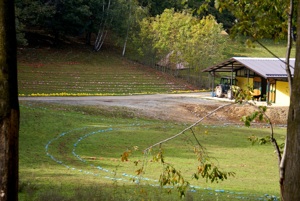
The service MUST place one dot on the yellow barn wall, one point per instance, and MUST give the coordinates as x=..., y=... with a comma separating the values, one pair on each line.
x=282, y=93
x=243, y=82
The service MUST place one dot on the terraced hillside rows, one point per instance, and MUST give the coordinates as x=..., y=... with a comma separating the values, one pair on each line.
x=84, y=72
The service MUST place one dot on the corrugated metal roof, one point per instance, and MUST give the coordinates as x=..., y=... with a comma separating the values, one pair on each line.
x=265, y=67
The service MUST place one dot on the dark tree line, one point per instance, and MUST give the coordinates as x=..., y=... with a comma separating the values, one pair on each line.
x=77, y=17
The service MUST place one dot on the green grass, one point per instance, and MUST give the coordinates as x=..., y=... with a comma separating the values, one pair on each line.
x=238, y=48
x=62, y=148
x=52, y=168
x=84, y=72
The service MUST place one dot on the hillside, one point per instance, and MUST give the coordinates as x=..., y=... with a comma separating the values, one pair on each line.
x=73, y=68
x=77, y=70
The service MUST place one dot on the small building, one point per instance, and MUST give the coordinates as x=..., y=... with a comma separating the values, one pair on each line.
x=268, y=75
x=171, y=63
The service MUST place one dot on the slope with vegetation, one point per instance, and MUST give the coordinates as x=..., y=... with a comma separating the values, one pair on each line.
x=75, y=69
x=80, y=71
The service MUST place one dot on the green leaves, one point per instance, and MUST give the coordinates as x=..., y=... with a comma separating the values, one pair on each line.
x=256, y=18
x=261, y=141
x=265, y=140
x=188, y=37
x=171, y=176
x=259, y=115
x=212, y=173
x=207, y=170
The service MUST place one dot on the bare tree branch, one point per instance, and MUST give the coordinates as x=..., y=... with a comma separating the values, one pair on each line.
x=274, y=55
x=191, y=126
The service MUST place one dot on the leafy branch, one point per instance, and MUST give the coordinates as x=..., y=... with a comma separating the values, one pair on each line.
x=205, y=169
x=208, y=170
x=171, y=176
x=262, y=116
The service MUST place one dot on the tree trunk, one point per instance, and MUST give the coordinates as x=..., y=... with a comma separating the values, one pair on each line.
x=128, y=28
x=103, y=26
x=291, y=180
x=9, y=105
x=289, y=46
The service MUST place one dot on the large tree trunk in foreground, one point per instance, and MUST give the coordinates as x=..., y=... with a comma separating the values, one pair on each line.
x=9, y=105
x=291, y=180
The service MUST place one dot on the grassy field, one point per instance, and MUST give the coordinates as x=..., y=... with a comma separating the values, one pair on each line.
x=238, y=49
x=74, y=153
x=64, y=149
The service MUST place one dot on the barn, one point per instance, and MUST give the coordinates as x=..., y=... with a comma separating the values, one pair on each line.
x=268, y=75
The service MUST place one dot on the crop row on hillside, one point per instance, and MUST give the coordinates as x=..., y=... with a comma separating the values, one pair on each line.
x=46, y=71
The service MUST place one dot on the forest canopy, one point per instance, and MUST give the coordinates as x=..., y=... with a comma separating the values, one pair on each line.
x=76, y=17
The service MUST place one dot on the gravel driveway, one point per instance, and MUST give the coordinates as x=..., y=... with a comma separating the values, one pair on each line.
x=186, y=107
x=159, y=106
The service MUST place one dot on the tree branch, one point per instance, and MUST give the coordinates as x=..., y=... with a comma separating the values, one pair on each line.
x=273, y=54
x=191, y=126
x=273, y=140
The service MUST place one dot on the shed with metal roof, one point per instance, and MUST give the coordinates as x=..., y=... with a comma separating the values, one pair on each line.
x=266, y=74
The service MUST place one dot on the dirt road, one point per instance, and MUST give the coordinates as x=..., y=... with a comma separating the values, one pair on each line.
x=188, y=107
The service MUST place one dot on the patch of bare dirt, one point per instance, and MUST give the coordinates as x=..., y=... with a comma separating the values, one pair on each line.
x=234, y=113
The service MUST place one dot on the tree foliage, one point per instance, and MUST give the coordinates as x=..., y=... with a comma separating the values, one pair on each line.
x=193, y=41
x=199, y=8
x=256, y=18
x=125, y=18
x=56, y=16
x=121, y=18
x=157, y=7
